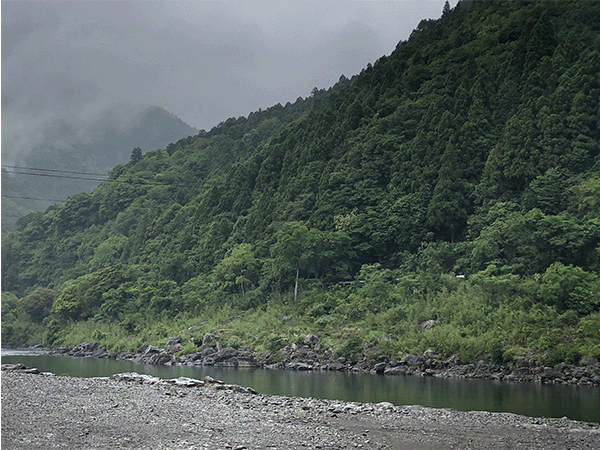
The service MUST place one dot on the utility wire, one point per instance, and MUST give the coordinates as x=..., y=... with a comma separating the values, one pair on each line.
x=130, y=180
x=55, y=170
x=33, y=198
x=127, y=181
x=16, y=170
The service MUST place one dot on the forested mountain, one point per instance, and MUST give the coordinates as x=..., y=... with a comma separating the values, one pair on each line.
x=87, y=150
x=472, y=150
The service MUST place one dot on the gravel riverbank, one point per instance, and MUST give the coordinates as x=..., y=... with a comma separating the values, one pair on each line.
x=140, y=412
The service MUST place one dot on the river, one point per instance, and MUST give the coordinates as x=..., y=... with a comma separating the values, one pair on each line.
x=529, y=399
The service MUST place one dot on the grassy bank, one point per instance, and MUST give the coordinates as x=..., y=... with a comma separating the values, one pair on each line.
x=497, y=317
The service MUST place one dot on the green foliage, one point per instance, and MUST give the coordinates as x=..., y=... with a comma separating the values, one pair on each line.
x=570, y=288
x=38, y=303
x=22, y=319
x=588, y=335
x=529, y=242
x=186, y=349
x=352, y=343
x=471, y=150
x=136, y=155
x=497, y=353
x=236, y=269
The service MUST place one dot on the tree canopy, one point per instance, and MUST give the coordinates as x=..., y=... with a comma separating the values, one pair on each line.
x=472, y=149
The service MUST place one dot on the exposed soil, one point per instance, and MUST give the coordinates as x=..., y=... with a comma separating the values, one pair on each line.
x=54, y=412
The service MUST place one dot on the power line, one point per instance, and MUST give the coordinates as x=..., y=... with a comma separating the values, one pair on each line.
x=18, y=170
x=127, y=181
x=130, y=181
x=15, y=172
x=33, y=198
x=55, y=170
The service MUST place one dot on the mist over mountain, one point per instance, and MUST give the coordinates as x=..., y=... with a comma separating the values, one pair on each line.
x=74, y=154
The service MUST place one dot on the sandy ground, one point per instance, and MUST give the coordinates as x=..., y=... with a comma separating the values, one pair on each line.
x=53, y=412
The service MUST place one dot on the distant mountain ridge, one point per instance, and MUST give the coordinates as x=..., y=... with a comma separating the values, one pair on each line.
x=93, y=148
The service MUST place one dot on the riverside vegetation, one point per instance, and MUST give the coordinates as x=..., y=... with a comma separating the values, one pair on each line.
x=456, y=180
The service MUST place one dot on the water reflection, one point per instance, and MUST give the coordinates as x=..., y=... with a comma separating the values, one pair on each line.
x=531, y=399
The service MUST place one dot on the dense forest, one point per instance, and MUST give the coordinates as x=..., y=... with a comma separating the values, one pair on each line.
x=455, y=180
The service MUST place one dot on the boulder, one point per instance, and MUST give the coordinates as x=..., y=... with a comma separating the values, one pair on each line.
x=430, y=354
x=522, y=363
x=299, y=366
x=84, y=349
x=13, y=367
x=591, y=361
x=427, y=325
x=135, y=377
x=185, y=382
x=383, y=358
x=379, y=367
x=206, y=351
x=208, y=339
x=157, y=359
x=225, y=354
x=396, y=370
x=311, y=340
x=453, y=360
x=147, y=349
x=173, y=345
x=335, y=366
x=413, y=360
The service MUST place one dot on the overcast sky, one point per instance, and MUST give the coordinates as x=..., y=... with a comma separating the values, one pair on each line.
x=204, y=61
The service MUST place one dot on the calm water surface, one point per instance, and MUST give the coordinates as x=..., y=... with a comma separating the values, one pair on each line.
x=530, y=399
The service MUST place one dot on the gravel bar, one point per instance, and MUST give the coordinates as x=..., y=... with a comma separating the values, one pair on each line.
x=56, y=412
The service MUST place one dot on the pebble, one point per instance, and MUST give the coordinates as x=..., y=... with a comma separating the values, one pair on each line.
x=55, y=412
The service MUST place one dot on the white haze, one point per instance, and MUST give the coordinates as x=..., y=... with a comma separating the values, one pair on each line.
x=203, y=61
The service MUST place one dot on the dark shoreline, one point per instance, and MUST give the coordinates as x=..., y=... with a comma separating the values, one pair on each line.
x=305, y=358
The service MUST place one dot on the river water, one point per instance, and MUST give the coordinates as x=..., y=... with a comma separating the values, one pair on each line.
x=530, y=399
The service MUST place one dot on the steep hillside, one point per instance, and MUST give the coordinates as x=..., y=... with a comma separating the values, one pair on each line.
x=88, y=150
x=471, y=150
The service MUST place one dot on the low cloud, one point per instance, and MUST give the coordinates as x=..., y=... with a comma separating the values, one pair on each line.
x=203, y=61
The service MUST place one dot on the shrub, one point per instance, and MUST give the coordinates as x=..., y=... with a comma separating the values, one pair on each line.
x=351, y=344
x=498, y=352
x=186, y=349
